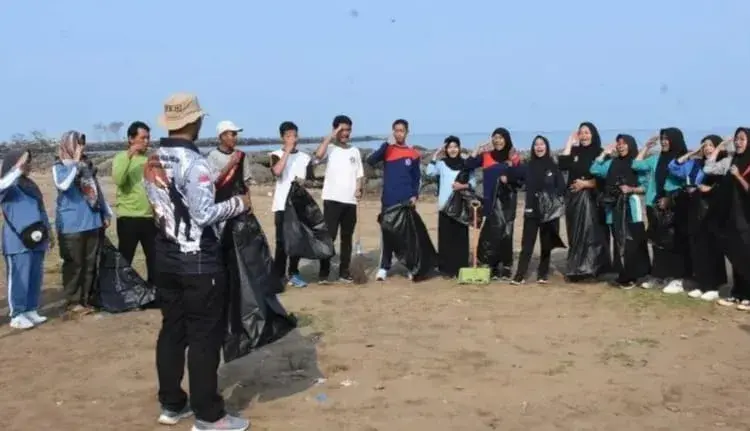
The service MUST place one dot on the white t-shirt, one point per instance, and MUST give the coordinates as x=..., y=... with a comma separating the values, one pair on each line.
x=296, y=167
x=343, y=170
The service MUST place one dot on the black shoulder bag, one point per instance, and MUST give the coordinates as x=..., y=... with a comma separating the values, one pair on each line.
x=32, y=235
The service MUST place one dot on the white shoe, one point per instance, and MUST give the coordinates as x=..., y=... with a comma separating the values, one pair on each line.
x=21, y=322
x=674, y=286
x=711, y=295
x=381, y=275
x=649, y=284
x=695, y=293
x=35, y=317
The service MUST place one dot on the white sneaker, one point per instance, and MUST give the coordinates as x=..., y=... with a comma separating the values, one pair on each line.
x=674, y=286
x=21, y=322
x=695, y=293
x=35, y=317
x=381, y=275
x=711, y=295
x=649, y=284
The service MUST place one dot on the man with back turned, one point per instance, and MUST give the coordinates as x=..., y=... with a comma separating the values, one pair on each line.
x=190, y=276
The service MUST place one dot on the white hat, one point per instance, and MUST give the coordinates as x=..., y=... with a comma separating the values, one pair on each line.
x=227, y=126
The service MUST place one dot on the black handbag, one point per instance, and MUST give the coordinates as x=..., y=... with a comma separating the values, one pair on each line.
x=32, y=235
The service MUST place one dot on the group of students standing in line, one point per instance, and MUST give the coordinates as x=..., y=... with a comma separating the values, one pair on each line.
x=696, y=205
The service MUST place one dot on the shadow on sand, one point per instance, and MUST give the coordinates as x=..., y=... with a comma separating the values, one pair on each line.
x=279, y=370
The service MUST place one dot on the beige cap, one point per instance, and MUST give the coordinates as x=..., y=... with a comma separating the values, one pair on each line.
x=180, y=110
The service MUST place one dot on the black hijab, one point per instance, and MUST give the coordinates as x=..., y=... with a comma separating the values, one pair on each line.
x=539, y=167
x=24, y=183
x=592, y=150
x=676, y=149
x=742, y=161
x=621, y=170
x=501, y=156
x=453, y=163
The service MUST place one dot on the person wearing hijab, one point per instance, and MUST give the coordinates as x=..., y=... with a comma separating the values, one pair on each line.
x=453, y=237
x=630, y=252
x=541, y=176
x=670, y=265
x=707, y=259
x=81, y=214
x=588, y=235
x=26, y=238
x=496, y=159
x=728, y=216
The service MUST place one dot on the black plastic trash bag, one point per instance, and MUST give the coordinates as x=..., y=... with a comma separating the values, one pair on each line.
x=255, y=316
x=405, y=233
x=661, y=227
x=305, y=231
x=118, y=287
x=551, y=207
x=587, y=255
x=496, y=231
x=459, y=207
x=621, y=225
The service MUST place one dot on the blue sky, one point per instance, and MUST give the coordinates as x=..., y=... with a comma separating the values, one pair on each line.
x=446, y=65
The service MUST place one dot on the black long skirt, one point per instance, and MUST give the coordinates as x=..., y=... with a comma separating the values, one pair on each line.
x=707, y=259
x=636, y=263
x=453, y=246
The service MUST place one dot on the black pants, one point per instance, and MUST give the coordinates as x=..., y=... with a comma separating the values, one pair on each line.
x=79, y=252
x=192, y=309
x=339, y=216
x=280, y=257
x=546, y=232
x=134, y=230
x=453, y=245
x=635, y=264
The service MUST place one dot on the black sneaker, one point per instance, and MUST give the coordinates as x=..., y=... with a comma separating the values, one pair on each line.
x=624, y=285
x=323, y=279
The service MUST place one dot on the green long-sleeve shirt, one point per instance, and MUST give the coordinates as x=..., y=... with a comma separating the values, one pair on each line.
x=127, y=174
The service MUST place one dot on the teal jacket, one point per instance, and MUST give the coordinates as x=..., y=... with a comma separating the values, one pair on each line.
x=600, y=169
x=648, y=167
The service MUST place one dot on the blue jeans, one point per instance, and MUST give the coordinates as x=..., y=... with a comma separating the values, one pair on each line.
x=24, y=272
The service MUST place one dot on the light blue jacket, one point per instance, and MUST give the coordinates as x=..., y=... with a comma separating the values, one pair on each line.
x=648, y=167
x=21, y=209
x=73, y=214
x=447, y=177
x=600, y=169
x=683, y=171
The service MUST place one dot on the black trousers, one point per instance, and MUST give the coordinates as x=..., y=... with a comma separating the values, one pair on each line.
x=280, y=257
x=546, y=232
x=453, y=245
x=134, y=230
x=339, y=216
x=193, y=318
x=79, y=252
